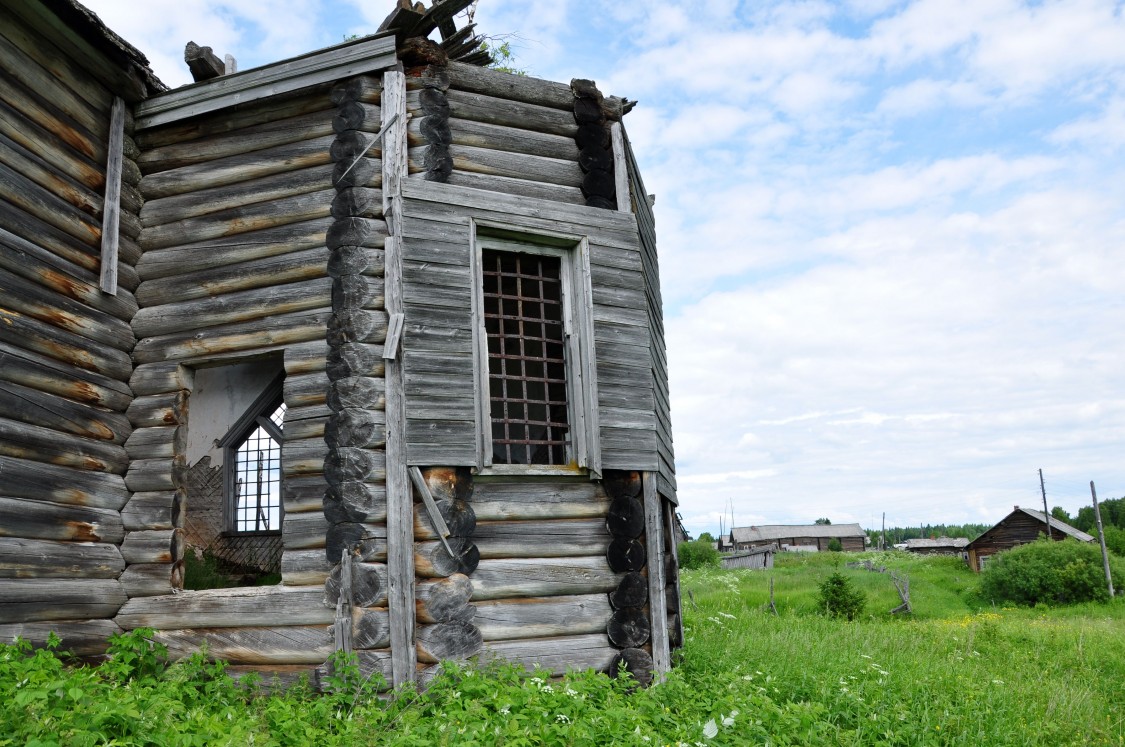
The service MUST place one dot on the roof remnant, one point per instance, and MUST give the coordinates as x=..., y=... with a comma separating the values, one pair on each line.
x=768, y=532
x=463, y=45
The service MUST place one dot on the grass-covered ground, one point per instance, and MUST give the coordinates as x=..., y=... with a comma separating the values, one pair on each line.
x=956, y=672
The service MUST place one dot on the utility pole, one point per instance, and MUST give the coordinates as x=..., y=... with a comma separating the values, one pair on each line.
x=1101, y=539
x=1046, y=515
x=884, y=547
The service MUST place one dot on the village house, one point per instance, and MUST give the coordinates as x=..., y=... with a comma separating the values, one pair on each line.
x=1020, y=527
x=936, y=545
x=795, y=537
x=376, y=326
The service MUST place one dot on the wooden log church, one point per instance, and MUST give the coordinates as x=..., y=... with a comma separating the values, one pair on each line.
x=373, y=333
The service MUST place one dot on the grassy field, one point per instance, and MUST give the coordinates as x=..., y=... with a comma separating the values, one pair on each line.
x=956, y=672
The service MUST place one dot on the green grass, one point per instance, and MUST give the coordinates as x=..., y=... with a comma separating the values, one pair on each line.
x=957, y=672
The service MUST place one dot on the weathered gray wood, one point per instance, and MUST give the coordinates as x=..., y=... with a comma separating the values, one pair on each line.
x=31, y=369
x=498, y=111
x=361, y=202
x=148, y=475
x=369, y=585
x=504, y=501
x=32, y=334
x=84, y=639
x=356, y=260
x=363, y=172
x=516, y=165
x=355, y=501
x=65, y=313
x=357, y=392
x=361, y=88
x=31, y=519
x=160, y=378
x=443, y=599
x=304, y=567
x=628, y=627
x=510, y=139
x=542, y=618
x=355, y=359
x=458, y=517
x=153, y=546
x=303, y=493
x=292, y=644
x=154, y=510
x=432, y=560
x=157, y=442
x=557, y=655
x=357, y=325
x=357, y=292
x=28, y=405
x=158, y=410
x=447, y=641
x=237, y=168
x=356, y=115
x=34, y=558
x=304, y=531
x=262, y=334
x=654, y=546
x=203, y=62
x=371, y=628
x=306, y=358
x=354, y=427
x=26, y=441
x=350, y=464
x=147, y=579
x=637, y=662
x=46, y=482
x=521, y=188
x=111, y=210
x=539, y=577
x=209, y=255
x=306, y=390
x=31, y=600
x=228, y=608
x=541, y=539
x=80, y=138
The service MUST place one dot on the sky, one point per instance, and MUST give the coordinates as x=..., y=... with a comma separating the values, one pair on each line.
x=891, y=234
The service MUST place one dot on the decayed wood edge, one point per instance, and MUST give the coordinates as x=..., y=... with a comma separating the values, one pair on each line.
x=654, y=545
x=672, y=577
x=400, y=502
x=335, y=63
x=620, y=169
x=111, y=206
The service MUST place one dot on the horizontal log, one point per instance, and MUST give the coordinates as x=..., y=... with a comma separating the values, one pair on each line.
x=40, y=202
x=303, y=493
x=263, y=334
x=154, y=510
x=221, y=281
x=85, y=639
x=63, y=312
x=355, y=359
x=31, y=600
x=47, y=482
x=92, y=145
x=371, y=628
x=147, y=579
x=161, y=378
x=557, y=655
x=432, y=561
x=369, y=587
x=51, y=521
x=497, y=137
x=565, y=173
x=537, y=539
x=26, y=441
x=157, y=442
x=219, y=253
x=305, y=531
x=353, y=231
x=357, y=292
x=304, y=568
x=351, y=144
x=153, y=546
x=355, y=501
x=292, y=644
x=356, y=260
x=455, y=640
x=360, y=428
x=249, y=195
x=306, y=390
x=45, y=374
x=363, y=172
x=317, y=124
x=524, y=188
x=237, y=168
x=259, y=606
x=269, y=111
x=458, y=516
x=368, y=541
x=492, y=110
x=542, y=577
x=34, y=558
x=28, y=405
x=357, y=392
x=306, y=357
x=304, y=457
x=245, y=217
x=150, y=475
x=363, y=88
x=543, y=618
x=498, y=83
x=357, y=202
x=41, y=337
x=357, y=115
x=501, y=501
x=444, y=599
x=357, y=325
x=159, y=410
x=52, y=147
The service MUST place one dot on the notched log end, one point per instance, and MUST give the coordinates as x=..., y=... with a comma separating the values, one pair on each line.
x=416, y=51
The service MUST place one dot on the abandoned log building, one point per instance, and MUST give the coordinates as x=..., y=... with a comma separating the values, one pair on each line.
x=1020, y=527
x=377, y=320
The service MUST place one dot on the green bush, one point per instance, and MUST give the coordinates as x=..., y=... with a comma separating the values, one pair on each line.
x=1049, y=572
x=834, y=545
x=840, y=598
x=698, y=554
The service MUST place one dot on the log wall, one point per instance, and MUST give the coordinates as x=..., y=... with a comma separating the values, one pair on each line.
x=65, y=341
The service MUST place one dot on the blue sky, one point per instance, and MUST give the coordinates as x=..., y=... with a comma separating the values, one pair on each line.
x=892, y=234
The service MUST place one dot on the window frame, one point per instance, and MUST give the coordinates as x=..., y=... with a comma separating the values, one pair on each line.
x=583, y=453
x=257, y=414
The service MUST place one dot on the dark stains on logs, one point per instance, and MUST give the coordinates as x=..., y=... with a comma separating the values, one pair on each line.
x=432, y=561
x=626, y=518
x=595, y=149
x=628, y=628
x=635, y=661
x=631, y=592
x=622, y=483
x=449, y=483
x=342, y=537
x=433, y=124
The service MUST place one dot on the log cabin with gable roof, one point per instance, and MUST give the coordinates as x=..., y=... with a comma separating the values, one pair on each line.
x=381, y=319
x=1020, y=527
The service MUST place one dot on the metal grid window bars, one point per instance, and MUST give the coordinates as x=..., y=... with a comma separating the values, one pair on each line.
x=523, y=319
x=257, y=476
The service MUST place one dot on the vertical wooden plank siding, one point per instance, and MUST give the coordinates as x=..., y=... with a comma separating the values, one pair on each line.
x=657, y=600
x=111, y=207
x=620, y=169
x=400, y=500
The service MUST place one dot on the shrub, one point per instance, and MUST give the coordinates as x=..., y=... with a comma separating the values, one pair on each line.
x=840, y=598
x=1050, y=572
x=834, y=545
x=698, y=554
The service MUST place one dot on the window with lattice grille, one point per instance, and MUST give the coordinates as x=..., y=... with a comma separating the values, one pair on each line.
x=253, y=466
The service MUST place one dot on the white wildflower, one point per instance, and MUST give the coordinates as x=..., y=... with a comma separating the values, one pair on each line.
x=570, y=691
x=731, y=617
x=710, y=729
x=506, y=709
x=562, y=718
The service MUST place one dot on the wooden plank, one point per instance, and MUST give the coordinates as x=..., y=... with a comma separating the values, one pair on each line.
x=542, y=618
x=28, y=405
x=27, y=441
x=84, y=639
x=228, y=608
x=31, y=519
x=63, y=312
x=111, y=209
x=654, y=552
x=539, y=577
x=293, y=644
x=32, y=334
x=31, y=600
x=263, y=334
x=35, y=558
x=47, y=482
x=44, y=374
x=515, y=501
x=557, y=655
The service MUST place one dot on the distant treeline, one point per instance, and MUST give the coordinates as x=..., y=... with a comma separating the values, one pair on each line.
x=1113, y=521
x=898, y=535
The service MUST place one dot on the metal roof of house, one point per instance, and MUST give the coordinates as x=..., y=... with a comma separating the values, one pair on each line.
x=767, y=532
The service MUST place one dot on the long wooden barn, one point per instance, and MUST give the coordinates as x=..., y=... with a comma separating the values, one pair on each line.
x=372, y=335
